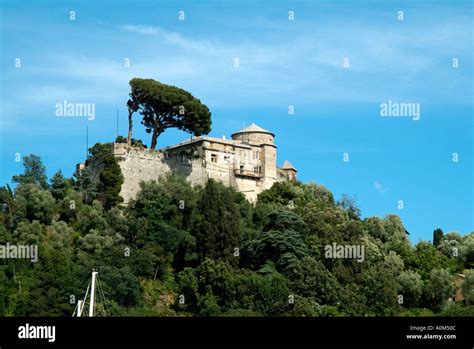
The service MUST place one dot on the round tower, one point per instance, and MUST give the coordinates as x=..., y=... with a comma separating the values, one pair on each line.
x=254, y=133
x=263, y=153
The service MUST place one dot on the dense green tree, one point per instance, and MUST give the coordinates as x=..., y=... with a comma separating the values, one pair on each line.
x=374, y=227
x=439, y=287
x=426, y=257
x=468, y=287
x=7, y=206
x=34, y=172
x=457, y=309
x=86, y=184
x=111, y=180
x=466, y=250
x=410, y=287
x=218, y=228
x=349, y=204
x=163, y=106
x=315, y=193
x=165, y=212
x=120, y=285
x=268, y=294
x=281, y=193
x=34, y=203
x=450, y=248
x=59, y=185
x=380, y=285
x=188, y=286
x=310, y=278
x=3, y=291
x=69, y=207
x=280, y=244
x=437, y=236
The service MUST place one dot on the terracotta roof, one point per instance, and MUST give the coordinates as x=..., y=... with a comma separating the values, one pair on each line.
x=288, y=166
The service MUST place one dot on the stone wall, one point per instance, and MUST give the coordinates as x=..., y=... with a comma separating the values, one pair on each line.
x=138, y=165
x=198, y=161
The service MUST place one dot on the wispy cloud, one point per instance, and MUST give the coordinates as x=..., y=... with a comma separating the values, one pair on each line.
x=302, y=62
x=379, y=188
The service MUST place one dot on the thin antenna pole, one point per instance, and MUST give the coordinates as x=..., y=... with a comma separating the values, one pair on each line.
x=91, y=303
x=87, y=141
x=117, y=123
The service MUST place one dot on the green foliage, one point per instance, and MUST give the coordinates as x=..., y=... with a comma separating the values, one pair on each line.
x=86, y=185
x=466, y=250
x=100, y=151
x=410, y=287
x=32, y=202
x=121, y=286
x=60, y=185
x=311, y=279
x=426, y=257
x=457, y=309
x=135, y=142
x=437, y=236
x=468, y=287
x=218, y=227
x=7, y=206
x=34, y=172
x=178, y=250
x=349, y=204
x=380, y=285
x=101, y=178
x=163, y=106
x=281, y=245
x=374, y=227
x=439, y=287
x=165, y=212
x=111, y=180
x=281, y=193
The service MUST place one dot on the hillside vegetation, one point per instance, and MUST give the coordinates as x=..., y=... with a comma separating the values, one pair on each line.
x=206, y=251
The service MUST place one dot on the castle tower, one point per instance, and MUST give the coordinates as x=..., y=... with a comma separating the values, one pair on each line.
x=289, y=170
x=264, y=151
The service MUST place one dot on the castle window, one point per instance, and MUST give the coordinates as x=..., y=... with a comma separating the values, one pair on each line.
x=213, y=157
x=256, y=154
x=241, y=168
x=257, y=169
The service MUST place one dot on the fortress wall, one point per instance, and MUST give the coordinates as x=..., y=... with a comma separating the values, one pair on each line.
x=269, y=165
x=195, y=162
x=138, y=165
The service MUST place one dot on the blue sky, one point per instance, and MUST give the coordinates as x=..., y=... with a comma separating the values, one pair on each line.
x=281, y=63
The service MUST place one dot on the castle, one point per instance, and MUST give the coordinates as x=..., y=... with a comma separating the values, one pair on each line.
x=247, y=162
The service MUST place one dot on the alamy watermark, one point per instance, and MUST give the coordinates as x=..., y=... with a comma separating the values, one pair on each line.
x=66, y=108
x=395, y=109
x=345, y=251
x=9, y=251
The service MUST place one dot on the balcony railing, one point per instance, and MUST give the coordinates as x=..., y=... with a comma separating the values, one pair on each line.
x=246, y=173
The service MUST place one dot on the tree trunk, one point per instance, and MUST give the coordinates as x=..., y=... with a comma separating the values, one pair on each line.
x=130, y=125
x=154, y=136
